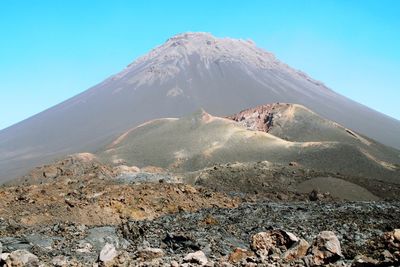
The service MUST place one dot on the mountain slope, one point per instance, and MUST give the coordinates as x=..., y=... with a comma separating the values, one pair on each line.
x=198, y=141
x=189, y=71
x=296, y=123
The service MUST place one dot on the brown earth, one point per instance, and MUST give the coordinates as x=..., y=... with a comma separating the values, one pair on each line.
x=91, y=200
x=73, y=209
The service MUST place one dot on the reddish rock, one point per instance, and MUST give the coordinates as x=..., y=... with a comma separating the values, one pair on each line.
x=266, y=243
x=325, y=249
x=260, y=118
x=147, y=254
x=297, y=251
x=239, y=254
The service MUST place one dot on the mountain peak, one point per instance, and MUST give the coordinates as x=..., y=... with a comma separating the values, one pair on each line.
x=206, y=44
x=208, y=47
x=199, y=48
x=191, y=36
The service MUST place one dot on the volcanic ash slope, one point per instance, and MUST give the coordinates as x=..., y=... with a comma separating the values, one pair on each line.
x=200, y=140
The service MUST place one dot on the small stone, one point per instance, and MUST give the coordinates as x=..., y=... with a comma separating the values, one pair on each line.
x=174, y=264
x=362, y=261
x=82, y=228
x=148, y=254
x=315, y=196
x=84, y=248
x=396, y=235
x=387, y=256
x=196, y=257
x=325, y=248
x=291, y=236
x=4, y=256
x=50, y=172
x=22, y=258
x=60, y=261
x=210, y=220
x=253, y=264
x=108, y=253
x=123, y=259
x=239, y=254
x=396, y=255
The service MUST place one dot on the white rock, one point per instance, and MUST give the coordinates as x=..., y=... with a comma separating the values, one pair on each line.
x=396, y=235
x=22, y=258
x=196, y=257
x=108, y=253
x=4, y=256
x=84, y=248
x=292, y=237
x=60, y=261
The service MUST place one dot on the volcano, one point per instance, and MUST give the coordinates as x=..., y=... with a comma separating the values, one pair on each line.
x=189, y=71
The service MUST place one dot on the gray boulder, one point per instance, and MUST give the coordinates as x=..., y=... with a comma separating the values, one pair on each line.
x=98, y=237
x=15, y=243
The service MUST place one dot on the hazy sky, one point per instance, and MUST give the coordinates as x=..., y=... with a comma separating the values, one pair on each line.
x=52, y=50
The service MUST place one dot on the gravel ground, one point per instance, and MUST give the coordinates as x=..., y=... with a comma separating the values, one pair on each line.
x=359, y=226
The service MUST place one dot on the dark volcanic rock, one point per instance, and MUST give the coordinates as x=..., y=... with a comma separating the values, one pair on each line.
x=356, y=225
x=364, y=233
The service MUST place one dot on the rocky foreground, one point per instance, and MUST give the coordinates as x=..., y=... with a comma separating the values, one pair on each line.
x=253, y=234
x=79, y=212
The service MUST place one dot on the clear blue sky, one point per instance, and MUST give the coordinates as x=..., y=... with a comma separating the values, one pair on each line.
x=52, y=50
